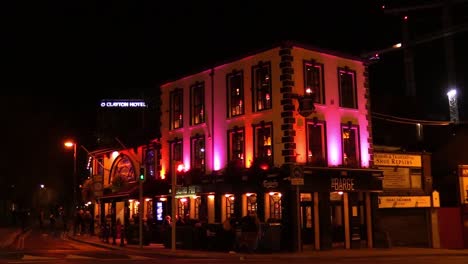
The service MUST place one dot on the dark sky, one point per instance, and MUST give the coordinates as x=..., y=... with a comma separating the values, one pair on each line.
x=61, y=57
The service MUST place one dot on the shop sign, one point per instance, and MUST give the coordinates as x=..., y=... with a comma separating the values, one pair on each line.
x=463, y=182
x=342, y=184
x=404, y=201
x=401, y=160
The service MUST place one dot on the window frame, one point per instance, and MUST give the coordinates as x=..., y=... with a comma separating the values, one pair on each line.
x=174, y=143
x=233, y=132
x=346, y=70
x=230, y=92
x=323, y=128
x=255, y=89
x=320, y=99
x=193, y=141
x=357, y=144
x=173, y=103
x=256, y=128
x=197, y=89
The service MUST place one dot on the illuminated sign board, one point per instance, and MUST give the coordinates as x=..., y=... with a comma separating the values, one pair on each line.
x=404, y=201
x=402, y=160
x=159, y=211
x=123, y=103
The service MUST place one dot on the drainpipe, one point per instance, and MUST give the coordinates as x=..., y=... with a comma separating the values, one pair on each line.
x=211, y=129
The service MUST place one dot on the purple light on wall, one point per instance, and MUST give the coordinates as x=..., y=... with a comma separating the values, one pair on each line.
x=364, y=140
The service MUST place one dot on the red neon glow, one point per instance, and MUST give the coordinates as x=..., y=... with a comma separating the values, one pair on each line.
x=405, y=17
x=264, y=167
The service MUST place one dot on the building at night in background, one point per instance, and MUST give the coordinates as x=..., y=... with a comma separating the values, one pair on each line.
x=284, y=134
x=247, y=144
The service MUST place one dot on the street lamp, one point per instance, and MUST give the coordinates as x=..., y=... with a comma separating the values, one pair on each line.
x=453, y=105
x=71, y=144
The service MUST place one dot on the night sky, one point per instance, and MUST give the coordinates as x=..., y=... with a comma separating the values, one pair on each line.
x=61, y=57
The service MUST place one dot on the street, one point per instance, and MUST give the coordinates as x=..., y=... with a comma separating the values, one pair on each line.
x=36, y=247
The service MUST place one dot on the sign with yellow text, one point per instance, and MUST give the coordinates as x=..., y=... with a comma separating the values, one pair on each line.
x=401, y=160
x=463, y=182
x=404, y=201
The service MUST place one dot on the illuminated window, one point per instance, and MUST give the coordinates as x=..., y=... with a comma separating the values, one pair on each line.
x=122, y=169
x=229, y=198
x=347, y=88
x=198, y=153
x=197, y=202
x=176, y=150
x=183, y=208
x=350, y=141
x=149, y=209
x=236, y=148
x=263, y=140
x=261, y=84
x=275, y=206
x=235, y=93
x=252, y=202
x=313, y=80
x=197, y=102
x=316, y=150
x=176, y=109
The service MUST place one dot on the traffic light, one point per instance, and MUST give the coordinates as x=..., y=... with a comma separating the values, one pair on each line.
x=142, y=174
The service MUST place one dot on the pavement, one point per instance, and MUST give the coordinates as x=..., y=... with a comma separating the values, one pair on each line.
x=159, y=249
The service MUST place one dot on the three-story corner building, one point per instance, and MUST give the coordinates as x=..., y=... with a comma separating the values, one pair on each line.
x=243, y=140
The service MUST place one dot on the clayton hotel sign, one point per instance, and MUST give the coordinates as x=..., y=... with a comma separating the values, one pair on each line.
x=397, y=160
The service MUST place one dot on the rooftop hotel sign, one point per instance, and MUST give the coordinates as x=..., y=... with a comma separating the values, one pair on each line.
x=123, y=103
x=397, y=160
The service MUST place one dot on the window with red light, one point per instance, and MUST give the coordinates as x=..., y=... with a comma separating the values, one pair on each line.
x=198, y=152
x=197, y=103
x=261, y=86
x=350, y=143
x=313, y=80
x=263, y=140
x=235, y=93
x=347, y=88
x=176, y=150
x=176, y=110
x=236, y=148
x=316, y=150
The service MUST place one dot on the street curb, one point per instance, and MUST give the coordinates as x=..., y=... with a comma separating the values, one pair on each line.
x=283, y=256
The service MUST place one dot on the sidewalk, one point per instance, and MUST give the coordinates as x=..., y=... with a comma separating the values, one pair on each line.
x=307, y=253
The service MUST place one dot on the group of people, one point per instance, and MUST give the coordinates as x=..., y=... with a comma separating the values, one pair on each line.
x=242, y=234
x=82, y=223
x=55, y=223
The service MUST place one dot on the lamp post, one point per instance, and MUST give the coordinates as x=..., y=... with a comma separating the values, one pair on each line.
x=71, y=144
x=453, y=105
